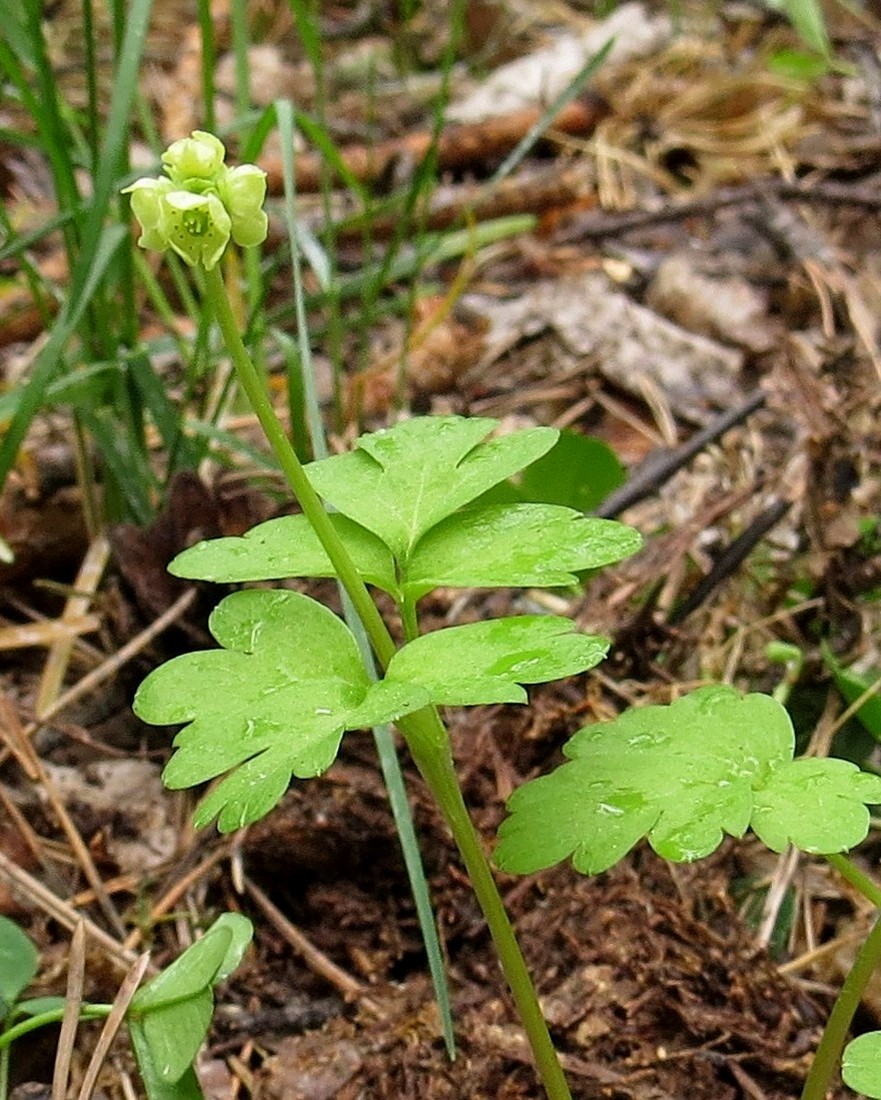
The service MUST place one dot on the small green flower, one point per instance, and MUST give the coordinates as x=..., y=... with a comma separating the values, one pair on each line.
x=242, y=192
x=197, y=226
x=200, y=203
x=198, y=157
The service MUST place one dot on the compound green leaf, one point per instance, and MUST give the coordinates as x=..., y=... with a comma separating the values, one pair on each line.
x=683, y=775
x=487, y=662
x=285, y=547
x=861, y=1064
x=517, y=544
x=400, y=482
x=276, y=698
x=817, y=804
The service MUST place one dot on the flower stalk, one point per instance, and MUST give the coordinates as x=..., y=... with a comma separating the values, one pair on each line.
x=195, y=210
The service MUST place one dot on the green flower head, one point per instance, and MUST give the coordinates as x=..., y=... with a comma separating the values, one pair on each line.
x=200, y=203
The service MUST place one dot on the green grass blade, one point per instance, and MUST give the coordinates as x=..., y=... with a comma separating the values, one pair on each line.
x=209, y=61
x=116, y=136
x=44, y=107
x=128, y=479
x=385, y=746
x=317, y=134
x=164, y=413
x=50, y=360
x=565, y=97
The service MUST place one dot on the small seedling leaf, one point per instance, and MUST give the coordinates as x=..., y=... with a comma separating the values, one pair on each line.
x=36, y=1006
x=285, y=547
x=242, y=932
x=275, y=699
x=400, y=482
x=682, y=775
x=19, y=961
x=190, y=974
x=187, y=1086
x=173, y=1011
x=487, y=662
x=861, y=1065
x=520, y=544
x=175, y=1033
x=817, y=804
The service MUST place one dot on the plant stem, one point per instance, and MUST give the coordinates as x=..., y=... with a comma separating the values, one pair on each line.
x=407, y=609
x=425, y=734
x=53, y=1016
x=430, y=750
x=849, y=871
x=429, y=746
x=255, y=391
x=832, y=1043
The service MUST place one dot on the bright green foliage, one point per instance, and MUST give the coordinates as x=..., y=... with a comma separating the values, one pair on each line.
x=275, y=699
x=684, y=775
x=18, y=964
x=487, y=662
x=289, y=680
x=405, y=526
x=200, y=203
x=817, y=804
x=579, y=471
x=536, y=545
x=285, y=547
x=861, y=1065
x=169, y=1017
x=400, y=482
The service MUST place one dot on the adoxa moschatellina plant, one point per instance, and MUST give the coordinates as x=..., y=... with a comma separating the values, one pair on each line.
x=288, y=679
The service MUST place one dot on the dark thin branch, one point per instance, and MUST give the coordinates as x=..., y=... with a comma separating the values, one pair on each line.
x=660, y=466
x=730, y=559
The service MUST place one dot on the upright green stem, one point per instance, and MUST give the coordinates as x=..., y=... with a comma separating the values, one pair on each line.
x=255, y=391
x=425, y=735
x=858, y=879
x=425, y=729
x=828, y=1054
